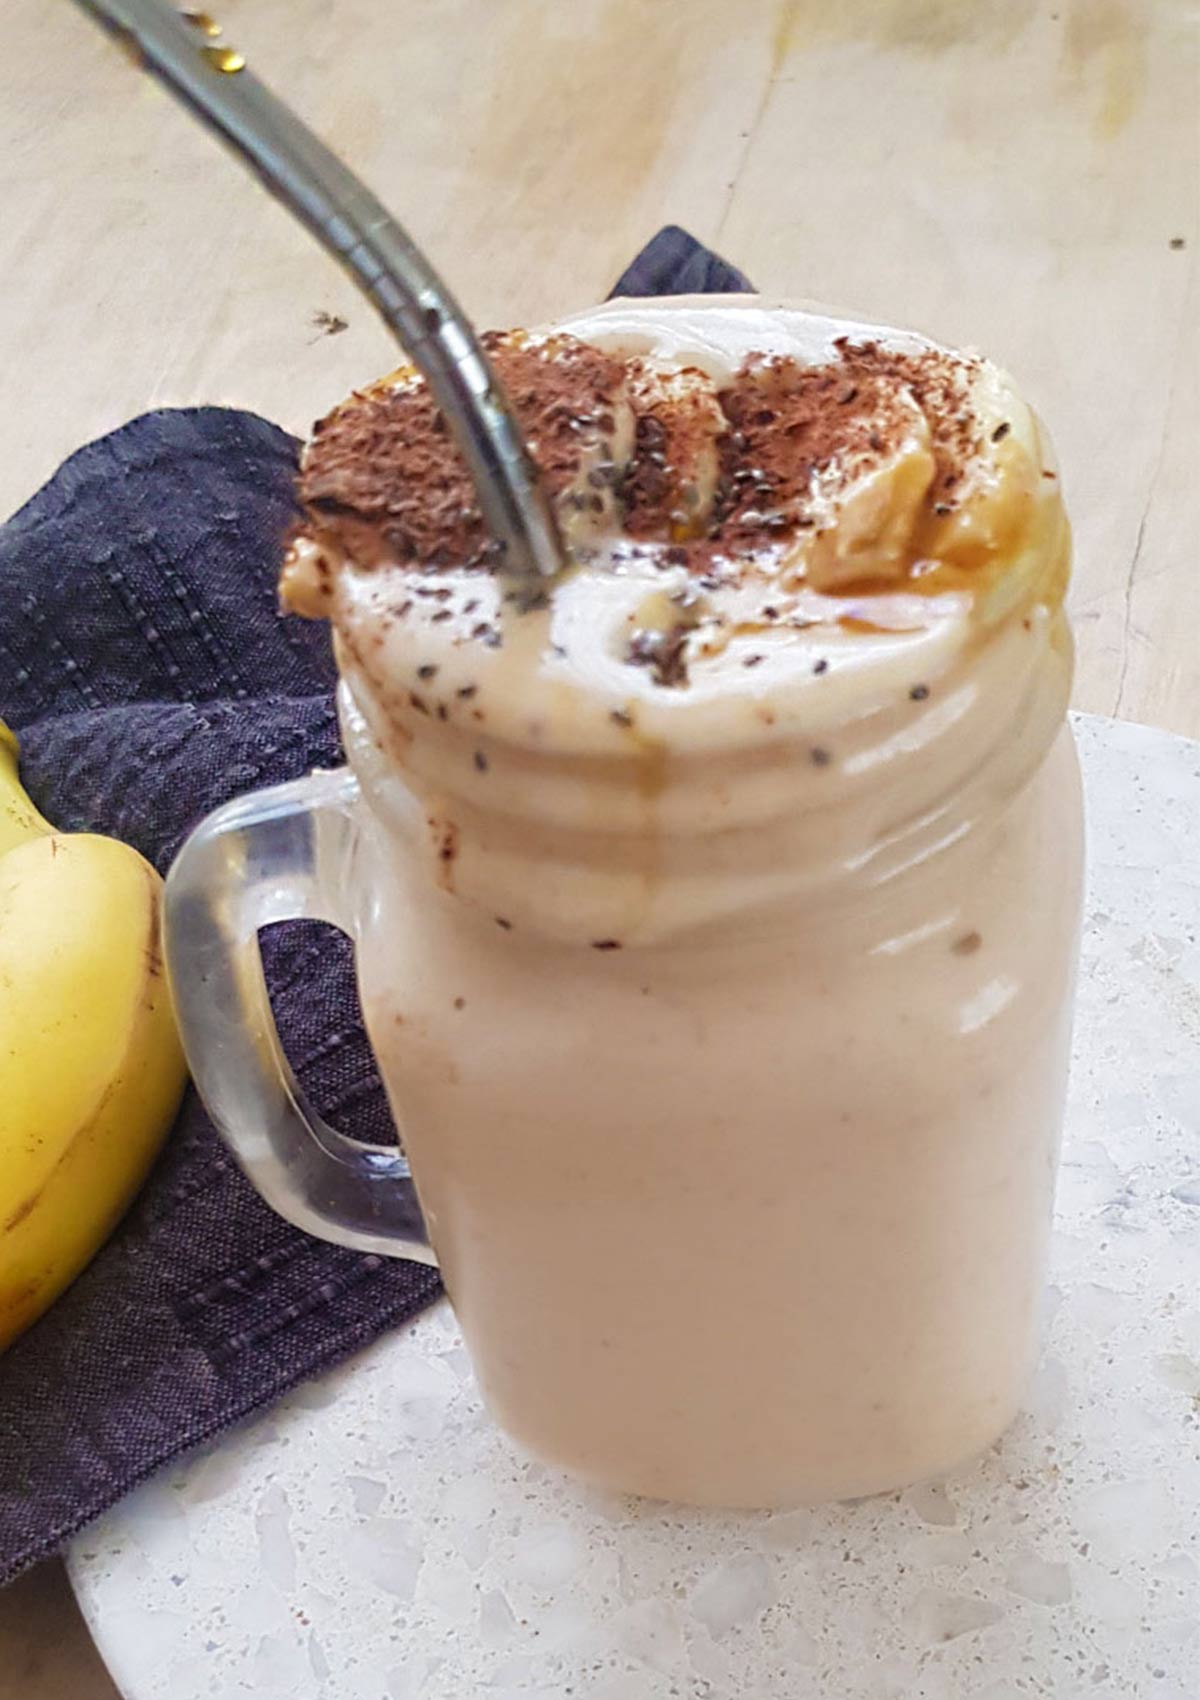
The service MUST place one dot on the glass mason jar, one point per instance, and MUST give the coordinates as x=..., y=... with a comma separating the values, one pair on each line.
x=730, y=1069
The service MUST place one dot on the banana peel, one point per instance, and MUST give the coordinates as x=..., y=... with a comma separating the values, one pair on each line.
x=19, y=819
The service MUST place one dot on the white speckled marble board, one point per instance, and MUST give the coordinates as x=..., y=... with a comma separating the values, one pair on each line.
x=373, y=1538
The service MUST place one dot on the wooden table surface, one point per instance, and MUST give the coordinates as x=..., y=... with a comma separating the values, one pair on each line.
x=1021, y=175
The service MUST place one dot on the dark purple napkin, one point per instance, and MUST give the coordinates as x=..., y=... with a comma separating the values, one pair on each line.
x=150, y=679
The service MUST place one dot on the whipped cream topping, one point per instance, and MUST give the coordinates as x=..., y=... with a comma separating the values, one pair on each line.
x=758, y=502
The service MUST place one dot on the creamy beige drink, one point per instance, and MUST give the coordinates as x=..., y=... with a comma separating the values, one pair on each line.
x=722, y=904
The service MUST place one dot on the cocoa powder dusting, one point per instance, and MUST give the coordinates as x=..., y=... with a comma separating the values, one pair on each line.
x=381, y=477
x=789, y=423
x=385, y=457
x=940, y=384
x=663, y=489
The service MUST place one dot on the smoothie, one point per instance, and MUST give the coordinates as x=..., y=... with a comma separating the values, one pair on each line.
x=720, y=898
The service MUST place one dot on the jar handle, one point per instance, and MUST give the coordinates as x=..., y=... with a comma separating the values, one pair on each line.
x=283, y=854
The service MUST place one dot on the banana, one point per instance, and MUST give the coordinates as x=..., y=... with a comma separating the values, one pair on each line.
x=91, y=1069
x=19, y=819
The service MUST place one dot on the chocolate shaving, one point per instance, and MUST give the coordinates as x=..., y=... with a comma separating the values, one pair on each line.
x=664, y=653
x=384, y=456
x=382, y=479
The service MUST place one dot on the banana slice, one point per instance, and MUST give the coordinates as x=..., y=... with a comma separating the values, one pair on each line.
x=671, y=481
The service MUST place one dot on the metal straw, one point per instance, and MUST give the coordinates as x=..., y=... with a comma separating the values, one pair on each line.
x=184, y=51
